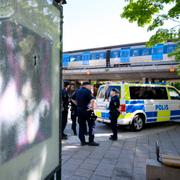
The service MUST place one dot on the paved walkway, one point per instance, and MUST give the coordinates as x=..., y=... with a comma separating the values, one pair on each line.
x=124, y=159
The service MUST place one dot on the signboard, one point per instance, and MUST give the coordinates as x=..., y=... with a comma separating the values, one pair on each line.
x=29, y=85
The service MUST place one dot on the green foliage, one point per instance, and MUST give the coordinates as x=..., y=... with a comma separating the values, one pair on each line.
x=176, y=84
x=153, y=14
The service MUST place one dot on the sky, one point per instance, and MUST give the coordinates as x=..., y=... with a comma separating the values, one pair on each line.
x=97, y=23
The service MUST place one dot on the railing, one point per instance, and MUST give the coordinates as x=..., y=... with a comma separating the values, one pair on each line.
x=144, y=64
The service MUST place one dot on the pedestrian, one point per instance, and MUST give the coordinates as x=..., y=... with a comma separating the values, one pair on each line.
x=85, y=104
x=65, y=104
x=73, y=103
x=114, y=112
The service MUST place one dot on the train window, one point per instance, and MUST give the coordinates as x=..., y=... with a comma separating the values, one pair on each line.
x=93, y=56
x=86, y=56
x=170, y=48
x=135, y=52
x=72, y=58
x=102, y=55
x=157, y=50
x=78, y=57
x=146, y=51
x=97, y=55
x=124, y=53
x=115, y=54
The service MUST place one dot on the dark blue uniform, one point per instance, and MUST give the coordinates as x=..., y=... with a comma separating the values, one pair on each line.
x=74, y=112
x=65, y=101
x=114, y=113
x=83, y=98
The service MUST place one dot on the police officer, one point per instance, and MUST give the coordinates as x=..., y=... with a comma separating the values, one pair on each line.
x=74, y=111
x=85, y=101
x=65, y=104
x=114, y=112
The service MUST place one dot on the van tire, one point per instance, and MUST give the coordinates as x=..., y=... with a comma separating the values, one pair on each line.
x=138, y=122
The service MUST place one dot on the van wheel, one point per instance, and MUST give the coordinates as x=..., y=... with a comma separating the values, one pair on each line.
x=138, y=123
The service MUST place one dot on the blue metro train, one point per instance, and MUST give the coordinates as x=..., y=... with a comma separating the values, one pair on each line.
x=122, y=55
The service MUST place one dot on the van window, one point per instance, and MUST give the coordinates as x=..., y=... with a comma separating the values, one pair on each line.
x=174, y=94
x=101, y=92
x=148, y=93
x=107, y=94
x=104, y=91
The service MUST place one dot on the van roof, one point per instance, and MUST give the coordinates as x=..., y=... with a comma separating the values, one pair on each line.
x=136, y=84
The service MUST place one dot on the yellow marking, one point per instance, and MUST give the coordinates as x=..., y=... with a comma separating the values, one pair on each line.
x=127, y=116
x=98, y=114
x=127, y=95
x=163, y=115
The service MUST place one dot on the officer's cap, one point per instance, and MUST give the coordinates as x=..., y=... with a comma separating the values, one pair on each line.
x=115, y=90
x=86, y=83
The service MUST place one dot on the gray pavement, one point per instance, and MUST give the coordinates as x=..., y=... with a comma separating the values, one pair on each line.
x=124, y=159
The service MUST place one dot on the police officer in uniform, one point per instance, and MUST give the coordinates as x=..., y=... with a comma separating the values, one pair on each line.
x=65, y=104
x=114, y=112
x=85, y=101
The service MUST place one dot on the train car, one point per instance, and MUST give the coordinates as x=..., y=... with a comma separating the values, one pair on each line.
x=116, y=56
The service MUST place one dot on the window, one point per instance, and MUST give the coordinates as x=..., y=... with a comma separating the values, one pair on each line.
x=107, y=93
x=101, y=92
x=146, y=51
x=136, y=52
x=174, y=94
x=97, y=55
x=101, y=55
x=72, y=58
x=104, y=91
x=157, y=50
x=170, y=48
x=86, y=56
x=93, y=56
x=115, y=54
x=125, y=53
x=148, y=93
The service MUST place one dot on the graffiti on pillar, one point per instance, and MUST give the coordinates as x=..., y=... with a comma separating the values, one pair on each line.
x=25, y=89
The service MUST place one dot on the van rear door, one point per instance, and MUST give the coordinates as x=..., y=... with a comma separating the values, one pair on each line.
x=174, y=104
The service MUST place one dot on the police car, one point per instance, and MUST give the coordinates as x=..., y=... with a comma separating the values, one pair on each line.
x=140, y=104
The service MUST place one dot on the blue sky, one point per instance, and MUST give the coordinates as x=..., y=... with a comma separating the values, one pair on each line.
x=97, y=23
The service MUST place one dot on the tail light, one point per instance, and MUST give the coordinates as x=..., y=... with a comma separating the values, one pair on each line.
x=123, y=108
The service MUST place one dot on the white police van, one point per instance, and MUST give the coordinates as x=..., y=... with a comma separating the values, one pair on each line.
x=140, y=104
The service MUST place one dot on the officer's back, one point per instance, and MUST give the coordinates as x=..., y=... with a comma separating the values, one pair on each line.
x=83, y=98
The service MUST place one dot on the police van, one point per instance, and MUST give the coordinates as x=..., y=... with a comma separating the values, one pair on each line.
x=140, y=104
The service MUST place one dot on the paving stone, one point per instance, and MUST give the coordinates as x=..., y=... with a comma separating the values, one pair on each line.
x=139, y=177
x=121, y=178
x=105, y=167
x=108, y=161
x=104, y=172
x=125, y=165
x=122, y=173
x=96, y=177
x=92, y=161
x=138, y=170
x=88, y=166
x=139, y=164
x=77, y=178
x=84, y=172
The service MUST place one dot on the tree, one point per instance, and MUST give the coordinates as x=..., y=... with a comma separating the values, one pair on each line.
x=156, y=15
